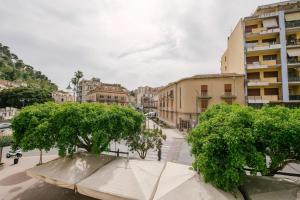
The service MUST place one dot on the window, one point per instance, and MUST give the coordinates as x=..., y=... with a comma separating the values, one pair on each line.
x=204, y=88
x=253, y=75
x=227, y=88
x=249, y=28
x=116, y=97
x=271, y=74
x=203, y=104
x=179, y=97
x=254, y=92
x=270, y=57
x=109, y=97
x=270, y=41
x=228, y=101
x=252, y=59
x=271, y=91
x=101, y=96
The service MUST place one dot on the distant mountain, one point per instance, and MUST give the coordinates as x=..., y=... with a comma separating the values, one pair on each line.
x=13, y=69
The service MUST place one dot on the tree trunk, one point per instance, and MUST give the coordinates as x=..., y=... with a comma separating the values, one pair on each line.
x=41, y=157
x=1, y=148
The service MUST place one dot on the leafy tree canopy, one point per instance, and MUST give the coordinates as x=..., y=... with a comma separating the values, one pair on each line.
x=230, y=138
x=13, y=69
x=23, y=96
x=146, y=140
x=90, y=126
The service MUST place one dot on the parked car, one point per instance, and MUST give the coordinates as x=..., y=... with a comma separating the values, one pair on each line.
x=11, y=153
x=5, y=125
x=150, y=114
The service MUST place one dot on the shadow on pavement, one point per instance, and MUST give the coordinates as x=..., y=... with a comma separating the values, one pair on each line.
x=45, y=191
x=14, y=179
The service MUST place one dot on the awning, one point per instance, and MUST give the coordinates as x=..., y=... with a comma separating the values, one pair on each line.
x=120, y=179
x=292, y=16
x=293, y=52
x=66, y=172
x=270, y=23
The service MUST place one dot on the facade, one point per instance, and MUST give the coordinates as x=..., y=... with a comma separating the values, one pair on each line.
x=146, y=97
x=62, y=97
x=5, y=84
x=85, y=86
x=7, y=113
x=109, y=94
x=265, y=47
x=181, y=102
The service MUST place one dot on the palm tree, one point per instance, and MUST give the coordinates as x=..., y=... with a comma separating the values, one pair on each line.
x=75, y=81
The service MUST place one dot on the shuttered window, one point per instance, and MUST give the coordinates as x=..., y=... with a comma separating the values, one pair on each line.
x=227, y=88
x=271, y=91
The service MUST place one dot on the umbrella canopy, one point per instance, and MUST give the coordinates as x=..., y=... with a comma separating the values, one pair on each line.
x=67, y=171
x=122, y=179
x=179, y=182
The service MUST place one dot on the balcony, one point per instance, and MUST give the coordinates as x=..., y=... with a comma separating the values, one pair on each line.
x=204, y=95
x=262, y=31
x=264, y=64
x=263, y=99
x=264, y=81
x=228, y=95
x=294, y=79
x=292, y=24
x=251, y=47
x=293, y=42
x=295, y=97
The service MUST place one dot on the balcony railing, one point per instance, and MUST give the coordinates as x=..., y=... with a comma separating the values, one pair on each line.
x=228, y=95
x=292, y=24
x=294, y=79
x=262, y=46
x=293, y=60
x=263, y=64
x=292, y=42
x=294, y=97
x=204, y=95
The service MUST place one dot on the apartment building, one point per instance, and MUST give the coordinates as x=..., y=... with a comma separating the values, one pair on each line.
x=146, y=97
x=265, y=47
x=62, y=96
x=85, y=86
x=181, y=102
x=5, y=84
x=109, y=94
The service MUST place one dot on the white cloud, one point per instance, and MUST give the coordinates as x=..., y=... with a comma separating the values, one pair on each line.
x=132, y=42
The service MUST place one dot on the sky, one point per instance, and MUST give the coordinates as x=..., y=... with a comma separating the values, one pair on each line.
x=131, y=42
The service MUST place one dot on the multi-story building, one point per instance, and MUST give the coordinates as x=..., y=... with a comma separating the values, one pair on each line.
x=7, y=113
x=62, y=96
x=5, y=84
x=109, y=94
x=265, y=47
x=146, y=97
x=85, y=86
x=182, y=101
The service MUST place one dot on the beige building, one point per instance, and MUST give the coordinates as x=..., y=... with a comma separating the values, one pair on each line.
x=146, y=97
x=109, y=94
x=85, y=86
x=7, y=113
x=181, y=102
x=62, y=96
x=5, y=84
x=265, y=47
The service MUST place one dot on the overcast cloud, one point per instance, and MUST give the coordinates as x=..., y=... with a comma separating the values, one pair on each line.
x=132, y=42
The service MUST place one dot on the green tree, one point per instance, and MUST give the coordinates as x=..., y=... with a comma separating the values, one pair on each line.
x=146, y=140
x=33, y=128
x=23, y=96
x=4, y=142
x=93, y=126
x=75, y=81
x=277, y=132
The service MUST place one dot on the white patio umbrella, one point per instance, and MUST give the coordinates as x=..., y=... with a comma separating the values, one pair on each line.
x=122, y=179
x=179, y=182
x=67, y=171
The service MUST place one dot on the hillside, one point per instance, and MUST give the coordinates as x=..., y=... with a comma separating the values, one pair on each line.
x=13, y=69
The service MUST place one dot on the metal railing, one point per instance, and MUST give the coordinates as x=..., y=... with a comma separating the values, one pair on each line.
x=293, y=60
x=292, y=24
x=293, y=42
x=294, y=78
x=294, y=97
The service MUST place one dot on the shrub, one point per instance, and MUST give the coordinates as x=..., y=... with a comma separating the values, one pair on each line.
x=230, y=138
